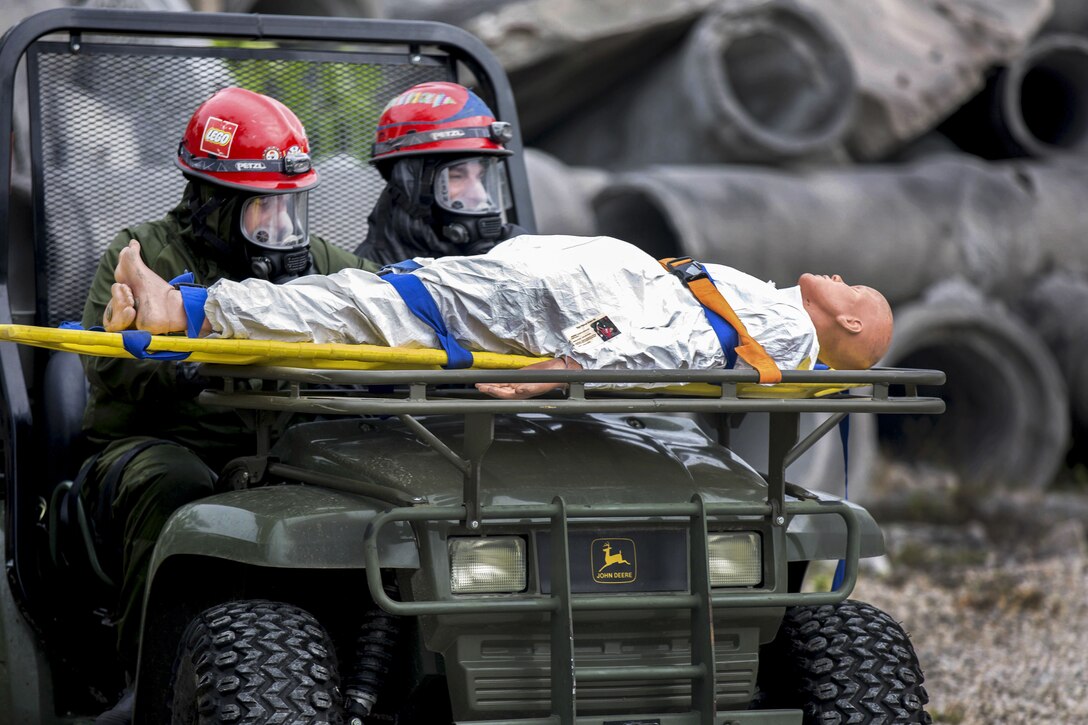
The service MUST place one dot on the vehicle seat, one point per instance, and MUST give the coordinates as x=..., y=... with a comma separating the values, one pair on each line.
x=64, y=395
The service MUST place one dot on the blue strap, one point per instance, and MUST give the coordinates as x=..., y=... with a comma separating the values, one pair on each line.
x=136, y=342
x=408, y=265
x=185, y=277
x=193, y=298
x=76, y=325
x=422, y=305
x=844, y=437
x=727, y=335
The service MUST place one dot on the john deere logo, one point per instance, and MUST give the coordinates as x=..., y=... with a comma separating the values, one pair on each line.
x=613, y=561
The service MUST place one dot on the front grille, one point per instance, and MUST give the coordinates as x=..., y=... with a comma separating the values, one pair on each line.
x=511, y=677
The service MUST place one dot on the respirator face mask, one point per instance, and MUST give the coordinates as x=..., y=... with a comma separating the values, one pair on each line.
x=471, y=198
x=275, y=227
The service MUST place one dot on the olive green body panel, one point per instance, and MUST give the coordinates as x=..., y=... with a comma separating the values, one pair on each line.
x=592, y=459
x=813, y=538
x=288, y=526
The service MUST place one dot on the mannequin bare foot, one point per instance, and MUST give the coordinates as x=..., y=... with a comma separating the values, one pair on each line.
x=521, y=391
x=142, y=297
x=120, y=312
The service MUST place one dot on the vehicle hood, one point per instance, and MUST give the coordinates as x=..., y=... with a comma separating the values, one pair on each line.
x=585, y=459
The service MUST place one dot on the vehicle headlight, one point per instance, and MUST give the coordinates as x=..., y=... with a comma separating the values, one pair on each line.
x=491, y=564
x=735, y=559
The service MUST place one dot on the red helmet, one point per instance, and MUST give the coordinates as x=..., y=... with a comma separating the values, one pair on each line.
x=439, y=118
x=248, y=141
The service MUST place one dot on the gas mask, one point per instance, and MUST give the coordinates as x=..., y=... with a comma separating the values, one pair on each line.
x=275, y=230
x=470, y=199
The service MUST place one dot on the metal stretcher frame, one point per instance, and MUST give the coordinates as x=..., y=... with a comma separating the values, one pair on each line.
x=884, y=391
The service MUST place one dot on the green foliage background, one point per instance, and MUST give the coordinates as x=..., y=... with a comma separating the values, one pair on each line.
x=338, y=103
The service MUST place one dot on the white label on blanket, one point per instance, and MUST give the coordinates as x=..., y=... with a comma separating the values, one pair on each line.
x=591, y=333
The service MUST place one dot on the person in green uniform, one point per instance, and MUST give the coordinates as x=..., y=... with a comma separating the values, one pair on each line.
x=242, y=214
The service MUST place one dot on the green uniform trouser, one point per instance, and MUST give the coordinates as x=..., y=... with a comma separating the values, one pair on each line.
x=153, y=484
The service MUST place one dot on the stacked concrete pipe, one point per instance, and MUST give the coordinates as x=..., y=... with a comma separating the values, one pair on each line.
x=1035, y=106
x=764, y=81
x=899, y=228
x=917, y=62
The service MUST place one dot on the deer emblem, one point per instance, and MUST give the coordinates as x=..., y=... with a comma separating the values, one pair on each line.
x=610, y=558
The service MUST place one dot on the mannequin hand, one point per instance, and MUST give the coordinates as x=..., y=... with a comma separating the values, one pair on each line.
x=522, y=391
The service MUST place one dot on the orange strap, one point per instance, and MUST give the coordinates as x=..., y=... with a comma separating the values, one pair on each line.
x=708, y=295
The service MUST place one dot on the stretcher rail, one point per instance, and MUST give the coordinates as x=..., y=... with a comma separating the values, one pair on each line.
x=878, y=376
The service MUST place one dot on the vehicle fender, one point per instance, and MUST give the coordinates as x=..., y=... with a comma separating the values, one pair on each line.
x=816, y=537
x=287, y=526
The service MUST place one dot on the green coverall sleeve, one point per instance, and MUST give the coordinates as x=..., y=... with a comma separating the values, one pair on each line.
x=329, y=258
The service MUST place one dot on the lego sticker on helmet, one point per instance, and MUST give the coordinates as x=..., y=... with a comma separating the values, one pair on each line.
x=218, y=136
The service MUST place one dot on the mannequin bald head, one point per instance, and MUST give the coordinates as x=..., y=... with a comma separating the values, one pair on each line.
x=853, y=323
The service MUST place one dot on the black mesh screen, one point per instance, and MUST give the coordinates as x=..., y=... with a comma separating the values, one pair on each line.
x=110, y=119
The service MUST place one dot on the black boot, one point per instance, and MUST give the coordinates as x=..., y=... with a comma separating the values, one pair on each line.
x=119, y=714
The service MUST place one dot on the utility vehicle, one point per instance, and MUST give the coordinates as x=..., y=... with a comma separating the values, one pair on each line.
x=394, y=547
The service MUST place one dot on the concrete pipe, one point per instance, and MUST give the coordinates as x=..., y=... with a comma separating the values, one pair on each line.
x=1068, y=16
x=1006, y=426
x=563, y=56
x=763, y=81
x=899, y=228
x=1036, y=106
x=917, y=62
x=1058, y=307
x=1007, y=419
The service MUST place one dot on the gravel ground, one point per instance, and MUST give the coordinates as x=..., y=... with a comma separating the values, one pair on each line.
x=997, y=609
